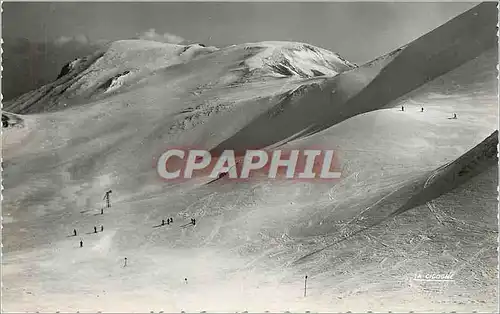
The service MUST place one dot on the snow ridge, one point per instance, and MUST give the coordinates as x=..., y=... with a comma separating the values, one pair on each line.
x=285, y=59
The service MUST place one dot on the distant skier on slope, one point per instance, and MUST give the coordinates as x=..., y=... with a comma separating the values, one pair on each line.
x=95, y=229
x=402, y=108
x=74, y=232
x=5, y=121
x=125, y=262
x=102, y=228
x=193, y=221
x=171, y=219
x=422, y=109
x=186, y=280
x=81, y=243
x=163, y=222
x=454, y=116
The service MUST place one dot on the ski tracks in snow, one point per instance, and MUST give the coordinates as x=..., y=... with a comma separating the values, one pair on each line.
x=344, y=227
x=430, y=204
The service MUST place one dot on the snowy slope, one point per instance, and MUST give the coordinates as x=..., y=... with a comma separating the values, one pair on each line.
x=474, y=162
x=374, y=85
x=83, y=78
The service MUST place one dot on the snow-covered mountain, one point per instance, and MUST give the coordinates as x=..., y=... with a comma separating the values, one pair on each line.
x=129, y=62
x=295, y=59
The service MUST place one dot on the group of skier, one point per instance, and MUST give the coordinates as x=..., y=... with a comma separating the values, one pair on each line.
x=95, y=231
x=108, y=204
x=169, y=221
x=422, y=110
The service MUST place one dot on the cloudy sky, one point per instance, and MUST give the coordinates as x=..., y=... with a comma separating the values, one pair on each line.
x=358, y=31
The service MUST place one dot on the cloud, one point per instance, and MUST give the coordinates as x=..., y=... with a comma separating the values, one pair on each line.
x=151, y=34
x=80, y=39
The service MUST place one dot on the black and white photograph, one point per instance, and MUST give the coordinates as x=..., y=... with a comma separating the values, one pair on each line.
x=249, y=157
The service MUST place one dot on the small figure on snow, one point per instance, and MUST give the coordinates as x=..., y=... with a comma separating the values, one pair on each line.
x=102, y=228
x=74, y=232
x=193, y=221
x=81, y=243
x=102, y=211
x=186, y=280
x=125, y=262
x=95, y=229
x=171, y=220
x=454, y=116
x=402, y=108
x=163, y=222
x=422, y=109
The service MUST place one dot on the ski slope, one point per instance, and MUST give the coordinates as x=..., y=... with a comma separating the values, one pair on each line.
x=99, y=127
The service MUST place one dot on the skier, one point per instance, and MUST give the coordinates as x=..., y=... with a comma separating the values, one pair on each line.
x=454, y=116
x=125, y=262
x=106, y=197
x=95, y=229
x=171, y=219
x=102, y=211
x=193, y=221
x=102, y=228
x=5, y=121
x=186, y=280
x=74, y=232
x=168, y=221
x=163, y=222
x=402, y=108
x=422, y=109
x=81, y=243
